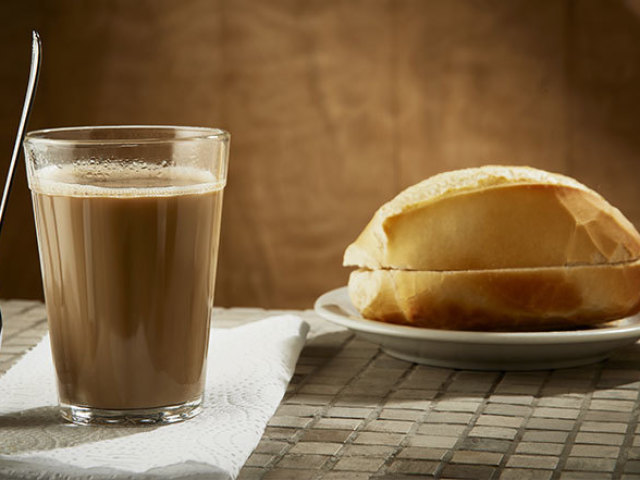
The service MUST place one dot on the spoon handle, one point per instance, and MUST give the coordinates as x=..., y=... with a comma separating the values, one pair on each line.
x=34, y=72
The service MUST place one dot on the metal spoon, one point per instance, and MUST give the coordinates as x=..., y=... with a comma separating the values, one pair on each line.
x=34, y=72
x=36, y=47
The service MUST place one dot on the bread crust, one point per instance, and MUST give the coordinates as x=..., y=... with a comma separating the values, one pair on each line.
x=499, y=299
x=496, y=248
x=508, y=225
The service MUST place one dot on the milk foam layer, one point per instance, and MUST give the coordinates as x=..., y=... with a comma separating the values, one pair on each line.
x=86, y=180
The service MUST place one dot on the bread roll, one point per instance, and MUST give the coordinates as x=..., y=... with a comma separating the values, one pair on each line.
x=496, y=248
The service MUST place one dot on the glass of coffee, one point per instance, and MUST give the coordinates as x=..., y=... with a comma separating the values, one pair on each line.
x=128, y=223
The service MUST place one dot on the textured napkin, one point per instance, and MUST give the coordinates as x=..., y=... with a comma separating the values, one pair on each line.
x=249, y=368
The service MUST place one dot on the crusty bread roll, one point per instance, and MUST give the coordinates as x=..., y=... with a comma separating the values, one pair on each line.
x=496, y=248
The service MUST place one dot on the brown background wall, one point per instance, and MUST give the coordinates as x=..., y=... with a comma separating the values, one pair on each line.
x=334, y=106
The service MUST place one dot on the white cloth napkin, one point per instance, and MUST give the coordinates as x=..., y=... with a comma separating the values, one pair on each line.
x=249, y=368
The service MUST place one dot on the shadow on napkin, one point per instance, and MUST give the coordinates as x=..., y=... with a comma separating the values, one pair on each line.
x=53, y=469
x=43, y=429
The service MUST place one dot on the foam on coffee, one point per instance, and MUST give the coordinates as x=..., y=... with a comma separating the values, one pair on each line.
x=123, y=180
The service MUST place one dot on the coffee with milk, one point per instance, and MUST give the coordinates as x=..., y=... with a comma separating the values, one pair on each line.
x=128, y=261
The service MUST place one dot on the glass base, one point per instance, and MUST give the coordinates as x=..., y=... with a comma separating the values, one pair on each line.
x=141, y=416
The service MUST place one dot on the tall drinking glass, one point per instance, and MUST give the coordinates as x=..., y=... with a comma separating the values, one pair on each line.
x=128, y=222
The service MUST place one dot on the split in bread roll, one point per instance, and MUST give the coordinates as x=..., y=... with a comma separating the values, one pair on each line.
x=496, y=248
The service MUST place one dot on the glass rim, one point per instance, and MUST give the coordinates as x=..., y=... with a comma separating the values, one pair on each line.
x=42, y=137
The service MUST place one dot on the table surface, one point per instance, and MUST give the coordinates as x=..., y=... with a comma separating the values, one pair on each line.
x=352, y=412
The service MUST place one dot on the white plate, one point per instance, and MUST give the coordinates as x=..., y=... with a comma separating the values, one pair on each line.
x=482, y=350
